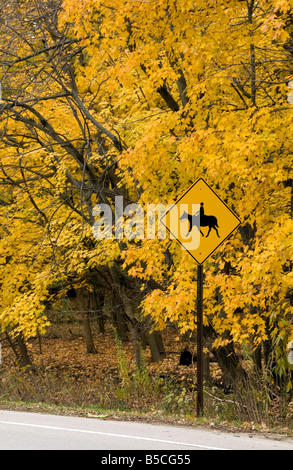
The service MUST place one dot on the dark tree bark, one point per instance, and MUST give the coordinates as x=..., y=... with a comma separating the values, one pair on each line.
x=156, y=346
x=24, y=358
x=82, y=301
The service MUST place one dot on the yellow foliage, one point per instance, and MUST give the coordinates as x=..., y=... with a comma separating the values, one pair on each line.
x=190, y=89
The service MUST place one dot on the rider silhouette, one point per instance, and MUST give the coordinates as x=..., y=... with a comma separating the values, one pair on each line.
x=207, y=221
x=201, y=210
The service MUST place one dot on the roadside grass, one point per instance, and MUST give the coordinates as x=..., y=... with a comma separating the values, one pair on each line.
x=67, y=381
x=163, y=401
x=154, y=417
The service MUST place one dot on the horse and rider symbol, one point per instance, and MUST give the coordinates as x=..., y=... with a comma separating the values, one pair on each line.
x=204, y=221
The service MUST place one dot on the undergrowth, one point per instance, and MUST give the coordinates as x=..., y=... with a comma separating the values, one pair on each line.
x=150, y=389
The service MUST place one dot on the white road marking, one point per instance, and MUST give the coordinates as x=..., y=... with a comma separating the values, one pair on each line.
x=126, y=436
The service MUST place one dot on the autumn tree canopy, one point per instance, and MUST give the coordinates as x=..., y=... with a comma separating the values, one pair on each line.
x=139, y=99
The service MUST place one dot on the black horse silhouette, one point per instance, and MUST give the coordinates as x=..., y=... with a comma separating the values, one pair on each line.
x=205, y=220
x=192, y=219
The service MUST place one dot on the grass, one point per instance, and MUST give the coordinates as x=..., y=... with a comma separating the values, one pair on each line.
x=154, y=417
x=108, y=385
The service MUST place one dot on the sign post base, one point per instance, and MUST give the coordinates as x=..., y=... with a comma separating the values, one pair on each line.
x=199, y=402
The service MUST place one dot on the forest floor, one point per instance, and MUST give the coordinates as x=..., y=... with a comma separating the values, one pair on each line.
x=67, y=380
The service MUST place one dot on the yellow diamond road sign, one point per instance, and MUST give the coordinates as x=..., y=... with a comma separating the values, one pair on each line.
x=200, y=221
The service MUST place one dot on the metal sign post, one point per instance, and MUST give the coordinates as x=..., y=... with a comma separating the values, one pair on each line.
x=210, y=223
x=199, y=360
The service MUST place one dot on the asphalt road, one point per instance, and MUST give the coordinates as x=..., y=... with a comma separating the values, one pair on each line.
x=33, y=431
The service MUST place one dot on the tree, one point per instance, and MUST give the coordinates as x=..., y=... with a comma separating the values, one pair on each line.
x=181, y=85
x=59, y=164
x=96, y=105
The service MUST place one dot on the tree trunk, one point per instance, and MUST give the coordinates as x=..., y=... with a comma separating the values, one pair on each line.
x=119, y=309
x=229, y=363
x=160, y=343
x=134, y=338
x=82, y=303
x=120, y=319
x=226, y=357
x=98, y=301
x=23, y=353
x=99, y=306
x=156, y=346
x=90, y=347
x=257, y=358
x=206, y=367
